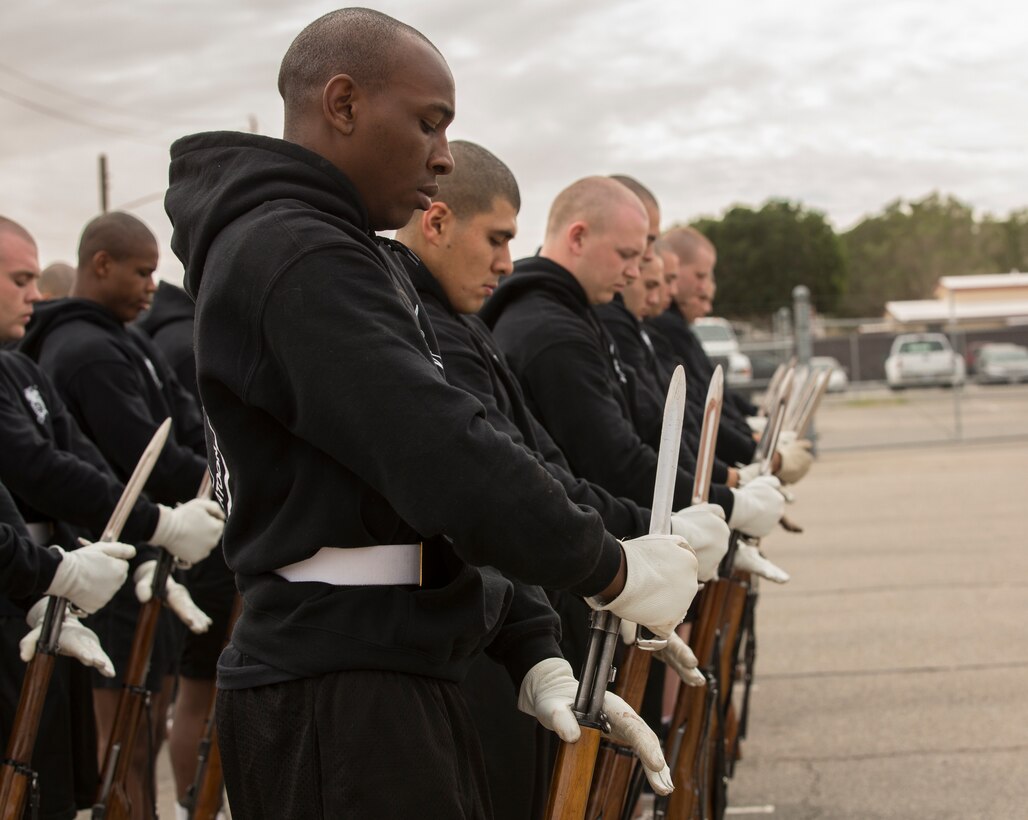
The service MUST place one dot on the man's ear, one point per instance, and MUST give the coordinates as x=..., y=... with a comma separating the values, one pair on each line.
x=340, y=100
x=101, y=264
x=576, y=234
x=437, y=223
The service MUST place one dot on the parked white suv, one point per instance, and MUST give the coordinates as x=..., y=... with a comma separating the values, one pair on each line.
x=923, y=359
x=719, y=343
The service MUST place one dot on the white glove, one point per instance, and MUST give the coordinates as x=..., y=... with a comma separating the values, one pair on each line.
x=661, y=583
x=757, y=423
x=758, y=506
x=176, y=597
x=89, y=576
x=548, y=693
x=75, y=641
x=681, y=659
x=749, y=559
x=748, y=473
x=704, y=527
x=796, y=460
x=785, y=438
x=191, y=530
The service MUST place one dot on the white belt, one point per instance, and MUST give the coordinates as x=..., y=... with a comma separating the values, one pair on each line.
x=42, y=532
x=381, y=565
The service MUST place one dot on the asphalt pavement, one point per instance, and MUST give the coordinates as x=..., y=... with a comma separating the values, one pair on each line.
x=892, y=670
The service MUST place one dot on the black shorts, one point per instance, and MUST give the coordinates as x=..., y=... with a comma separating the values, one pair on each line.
x=115, y=626
x=213, y=588
x=65, y=752
x=351, y=744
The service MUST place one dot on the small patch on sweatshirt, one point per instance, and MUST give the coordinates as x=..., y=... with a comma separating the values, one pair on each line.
x=36, y=403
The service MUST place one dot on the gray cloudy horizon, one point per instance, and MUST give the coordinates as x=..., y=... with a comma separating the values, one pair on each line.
x=834, y=104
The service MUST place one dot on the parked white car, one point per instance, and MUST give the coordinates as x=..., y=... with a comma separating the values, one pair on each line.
x=923, y=359
x=720, y=344
x=1000, y=362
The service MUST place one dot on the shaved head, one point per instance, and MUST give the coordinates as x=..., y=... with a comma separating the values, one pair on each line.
x=56, y=280
x=686, y=242
x=358, y=42
x=636, y=187
x=120, y=234
x=477, y=180
x=9, y=226
x=592, y=200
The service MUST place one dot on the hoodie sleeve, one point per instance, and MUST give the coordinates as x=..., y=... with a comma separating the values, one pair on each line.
x=462, y=362
x=111, y=403
x=530, y=633
x=26, y=569
x=74, y=485
x=568, y=383
x=348, y=370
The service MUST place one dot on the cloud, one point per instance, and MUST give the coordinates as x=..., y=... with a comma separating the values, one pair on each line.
x=840, y=104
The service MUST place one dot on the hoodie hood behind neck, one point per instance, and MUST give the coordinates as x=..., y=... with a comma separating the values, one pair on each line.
x=215, y=178
x=531, y=275
x=170, y=304
x=50, y=315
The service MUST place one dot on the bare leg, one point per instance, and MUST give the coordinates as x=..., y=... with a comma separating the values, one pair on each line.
x=192, y=707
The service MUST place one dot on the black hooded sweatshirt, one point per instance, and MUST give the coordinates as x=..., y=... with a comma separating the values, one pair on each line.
x=54, y=472
x=574, y=382
x=331, y=423
x=635, y=348
x=474, y=363
x=169, y=322
x=119, y=389
x=26, y=569
x=735, y=443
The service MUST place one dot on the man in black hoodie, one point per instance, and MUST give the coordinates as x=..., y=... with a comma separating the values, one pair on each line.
x=119, y=390
x=568, y=366
x=460, y=252
x=366, y=496
x=695, y=257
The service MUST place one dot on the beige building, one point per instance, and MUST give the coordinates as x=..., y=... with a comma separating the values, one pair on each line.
x=989, y=300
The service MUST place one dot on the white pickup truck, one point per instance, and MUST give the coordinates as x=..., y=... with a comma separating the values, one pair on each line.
x=923, y=359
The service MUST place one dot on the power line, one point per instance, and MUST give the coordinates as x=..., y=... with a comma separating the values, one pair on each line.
x=41, y=108
x=123, y=111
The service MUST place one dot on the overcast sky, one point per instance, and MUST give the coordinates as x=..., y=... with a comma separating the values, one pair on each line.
x=841, y=104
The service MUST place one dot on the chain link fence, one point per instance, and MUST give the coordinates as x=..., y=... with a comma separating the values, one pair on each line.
x=865, y=413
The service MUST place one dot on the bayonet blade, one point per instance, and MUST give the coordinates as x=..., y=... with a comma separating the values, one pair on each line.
x=708, y=437
x=667, y=455
x=134, y=486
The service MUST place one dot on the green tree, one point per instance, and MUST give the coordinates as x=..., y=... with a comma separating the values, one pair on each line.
x=763, y=254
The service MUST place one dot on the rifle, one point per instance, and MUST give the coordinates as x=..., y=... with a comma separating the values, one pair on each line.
x=113, y=802
x=573, y=773
x=18, y=778
x=696, y=714
x=612, y=793
x=203, y=800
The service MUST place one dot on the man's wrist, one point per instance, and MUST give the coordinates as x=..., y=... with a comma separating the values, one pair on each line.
x=616, y=586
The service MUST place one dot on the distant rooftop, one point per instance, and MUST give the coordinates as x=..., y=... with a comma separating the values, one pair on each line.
x=939, y=310
x=985, y=281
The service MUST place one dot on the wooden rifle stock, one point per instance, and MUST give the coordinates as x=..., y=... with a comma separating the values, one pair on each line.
x=614, y=763
x=113, y=802
x=572, y=777
x=18, y=779
x=203, y=800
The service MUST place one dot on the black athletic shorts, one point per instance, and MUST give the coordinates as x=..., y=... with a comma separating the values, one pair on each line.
x=352, y=744
x=213, y=588
x=65, y=752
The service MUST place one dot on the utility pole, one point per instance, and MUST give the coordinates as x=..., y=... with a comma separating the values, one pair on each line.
x=103, y=183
